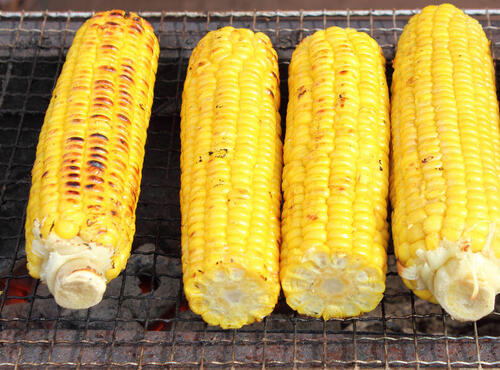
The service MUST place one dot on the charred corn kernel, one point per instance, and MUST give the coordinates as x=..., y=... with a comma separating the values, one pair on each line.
x=335, y=178
x=231, y=173
x=446, y=162
x=85, y=181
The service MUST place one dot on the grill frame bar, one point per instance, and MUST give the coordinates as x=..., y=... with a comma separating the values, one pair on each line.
x=267, y=344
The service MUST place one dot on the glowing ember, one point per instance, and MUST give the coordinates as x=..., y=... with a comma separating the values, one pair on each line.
x=17, y=287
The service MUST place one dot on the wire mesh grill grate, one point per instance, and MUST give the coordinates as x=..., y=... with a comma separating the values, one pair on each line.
x=143, y=319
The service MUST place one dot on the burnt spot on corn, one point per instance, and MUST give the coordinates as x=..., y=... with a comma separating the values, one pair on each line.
x=135, y=169
x=127, y=78
x=75, y=138
x=103, y=101
x=45, y=173
x=301, y=91
x=221, y=153
x=142, y=107
x=73, y=184
x=96, y=164
x=113, y=212
x=109, y=46
x=123, y=142
x=121, y=165
x=72, y=192
x=428, y=159
x=96, y=179
x=69, y=160
x=126, y=14
x=125, y=94
x=124, y=102
x=103, y=84
x=98, y=156
x=89, y=186
x=270, y=92
x=99, y=136
x=137, y=27
x=99, y=116
x=149, y=46
x=131, y=206
x=341, y=100
x=128, y=68
x=220, y=182
x=145, y=83
x=78, y=87
x=114, y=176
x=98, y=149
x=73, y=175
x=123, y=118
x=107, y=68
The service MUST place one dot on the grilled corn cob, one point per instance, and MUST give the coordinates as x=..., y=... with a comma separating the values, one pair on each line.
x=446, y=163
x=85, y=181
x=231, y=173
x=335, y=178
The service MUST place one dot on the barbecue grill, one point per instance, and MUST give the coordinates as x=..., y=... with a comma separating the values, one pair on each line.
x=144, y=320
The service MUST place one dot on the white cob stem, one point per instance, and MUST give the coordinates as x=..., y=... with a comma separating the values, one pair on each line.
x=464, y=283
x=466, y=286
x=73, y=270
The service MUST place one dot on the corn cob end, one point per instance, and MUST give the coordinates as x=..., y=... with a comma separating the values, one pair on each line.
x=333, y=287
x=231, y=296
x=73, y=270
x=463, y=282
x=77, y=285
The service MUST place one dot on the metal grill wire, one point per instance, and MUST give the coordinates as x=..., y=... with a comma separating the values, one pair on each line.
x=152, y=327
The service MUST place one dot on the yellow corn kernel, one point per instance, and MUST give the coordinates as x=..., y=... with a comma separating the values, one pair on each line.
x=80, y=220
x=230, y=182
x=335, y=178
x=445, y=122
